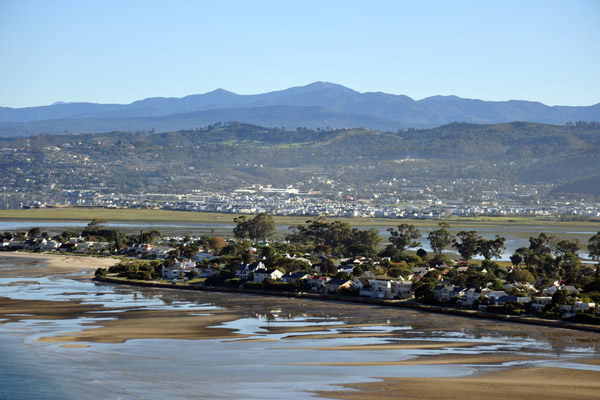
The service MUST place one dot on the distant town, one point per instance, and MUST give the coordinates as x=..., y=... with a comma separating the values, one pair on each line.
x=401, y=200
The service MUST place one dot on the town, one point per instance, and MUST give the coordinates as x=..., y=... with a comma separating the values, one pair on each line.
x=547, y=279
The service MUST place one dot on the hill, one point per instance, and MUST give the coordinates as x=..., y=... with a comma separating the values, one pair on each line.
x=465, y=157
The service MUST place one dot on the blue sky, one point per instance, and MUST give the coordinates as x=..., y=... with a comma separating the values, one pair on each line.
x=121, y=51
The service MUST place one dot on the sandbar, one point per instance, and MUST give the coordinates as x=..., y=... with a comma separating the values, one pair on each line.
x=33, y=265
x=515, y=384
x=471, y=359
x=400, y=346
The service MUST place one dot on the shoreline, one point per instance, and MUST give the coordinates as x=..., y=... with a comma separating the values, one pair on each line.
x=365, y=300
x=53, y=264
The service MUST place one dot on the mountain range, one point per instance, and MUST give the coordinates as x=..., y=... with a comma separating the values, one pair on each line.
x=317, y=105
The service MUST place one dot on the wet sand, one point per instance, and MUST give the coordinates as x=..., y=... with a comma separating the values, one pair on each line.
x=514, y=384
x=403, y=346
x=30, y=265
x=127, y=323
x=481, y=359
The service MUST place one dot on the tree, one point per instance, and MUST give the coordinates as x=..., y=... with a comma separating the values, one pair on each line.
x=516, y=259
x=466, y=244
x=422, y=253
x=542, y=245
x=217, y=243
x=258, y=228
x=520, y=275
x=565, y=247
x=440, y=239
x=338, y=236
x=405, y=236
x=34, y=232
x=491, y=248
x=594, y=247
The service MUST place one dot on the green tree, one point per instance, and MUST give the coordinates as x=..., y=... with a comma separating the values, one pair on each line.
x=34, y=232
x=491, y=248
x=466, y=244
x=258, y=228
x=594, y=247
x=520, y=275
x=440, y=238
x=516, y=259
x=405, y=236
x=565, y=247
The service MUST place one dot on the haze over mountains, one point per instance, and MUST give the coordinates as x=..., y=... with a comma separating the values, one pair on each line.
x=317, y=105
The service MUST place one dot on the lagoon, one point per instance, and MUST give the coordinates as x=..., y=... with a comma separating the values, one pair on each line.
x=261, y=347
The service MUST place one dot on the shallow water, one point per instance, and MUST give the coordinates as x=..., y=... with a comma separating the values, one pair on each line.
x=274, y=365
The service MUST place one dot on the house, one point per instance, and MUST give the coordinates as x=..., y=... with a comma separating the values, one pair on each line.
x=294, y=276
x=140, y=248
x=335, y=285
x=159, y=252
x=404, y=289
x=553, y=289
x=382, y=289
x=244, y=270
x=69, y=246
x=49, y=245
x=495, y=295
x=446, y=292
x=583, y=305
x=473, y=294
x=262, y=274
x=179, y=268
x=203, y=256
x=317, y=283
x=420, y=271
x=505, y=299
x=539, y=303
x=205, y=272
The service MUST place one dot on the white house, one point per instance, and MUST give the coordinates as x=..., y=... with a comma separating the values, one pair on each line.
x=244, y=270
x=260, y=275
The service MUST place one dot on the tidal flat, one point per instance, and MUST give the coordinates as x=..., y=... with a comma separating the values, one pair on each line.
x=79, y=339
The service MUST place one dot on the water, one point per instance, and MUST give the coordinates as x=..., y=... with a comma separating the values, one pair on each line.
x=282, y=355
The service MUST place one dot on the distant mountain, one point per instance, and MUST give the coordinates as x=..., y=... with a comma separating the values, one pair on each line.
x=319, y=104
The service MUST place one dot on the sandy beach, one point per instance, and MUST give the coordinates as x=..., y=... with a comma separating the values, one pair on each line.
x=30, y=265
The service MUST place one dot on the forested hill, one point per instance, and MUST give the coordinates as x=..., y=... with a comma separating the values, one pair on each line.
x=511, y=153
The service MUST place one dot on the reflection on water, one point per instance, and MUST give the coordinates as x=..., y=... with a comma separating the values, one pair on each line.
x=286, y=341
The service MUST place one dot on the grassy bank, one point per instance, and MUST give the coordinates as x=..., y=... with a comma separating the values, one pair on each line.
x=87, y=213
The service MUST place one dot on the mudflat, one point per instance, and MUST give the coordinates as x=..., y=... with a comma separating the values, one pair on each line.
x=514, y=384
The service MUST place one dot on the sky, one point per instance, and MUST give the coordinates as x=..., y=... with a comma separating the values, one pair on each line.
x=121, y=51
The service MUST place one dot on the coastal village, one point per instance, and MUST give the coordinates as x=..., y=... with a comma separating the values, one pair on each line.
x=553, y=284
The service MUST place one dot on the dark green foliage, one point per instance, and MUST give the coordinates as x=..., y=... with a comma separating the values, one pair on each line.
x=140, y=270
x=405, y=236
x=582, y=318
x=466, y=244
x=491, y=248
x=339, y=236
x=258, y=228
x=440, y=238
